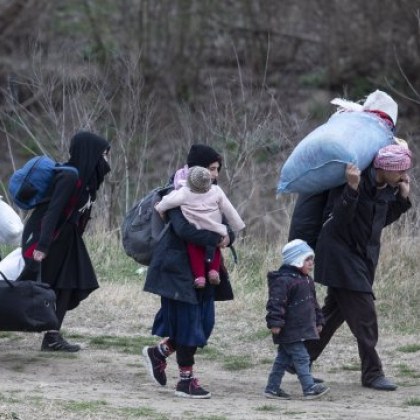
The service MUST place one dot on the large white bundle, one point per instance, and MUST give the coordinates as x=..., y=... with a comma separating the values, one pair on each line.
x=318, y=162
x=12, y=264
x=11, y=226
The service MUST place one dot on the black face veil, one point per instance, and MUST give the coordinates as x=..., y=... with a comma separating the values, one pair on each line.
x=86, y=154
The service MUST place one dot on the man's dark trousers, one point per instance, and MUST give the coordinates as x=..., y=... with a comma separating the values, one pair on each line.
x=357, y=309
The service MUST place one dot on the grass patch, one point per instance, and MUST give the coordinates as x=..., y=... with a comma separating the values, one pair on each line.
x=82, y=406
x=407, y=372
x=7, y=334
x=412, y=402
x=352, y=367
x=409, y=348
x=267, y=408
x=141, y=412
x=9, y=416
x=57, y=355
x=110, y=260
x=125, y=344
x=210, y=353
x=8, y=400
x=234, y=363
x=260, y=334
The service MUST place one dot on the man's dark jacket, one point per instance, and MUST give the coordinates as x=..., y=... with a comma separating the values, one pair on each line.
x=292, y=306
x=348, y=246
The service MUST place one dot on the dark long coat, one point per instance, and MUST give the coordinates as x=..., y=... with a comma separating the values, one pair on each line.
x=51, y=230
x=56, y=226
x=169, y=274
x=348, y=246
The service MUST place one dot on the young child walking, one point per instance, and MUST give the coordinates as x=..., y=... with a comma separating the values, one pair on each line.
x=293, y=316
x=203, y=204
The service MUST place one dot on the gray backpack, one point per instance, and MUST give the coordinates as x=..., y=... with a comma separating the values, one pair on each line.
x=143, y=227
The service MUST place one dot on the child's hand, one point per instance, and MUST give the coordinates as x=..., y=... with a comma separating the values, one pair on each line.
x=275, y=330
x=224, y=242
x=161, y=213
x=319, y=328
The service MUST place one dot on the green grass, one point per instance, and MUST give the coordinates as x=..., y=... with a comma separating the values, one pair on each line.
x=8, y=400
x=352, y=367
x=409, y=348
x=7, y=334
x=407, y=372
x=415, y=402
x=124, y=344
x=210, y=353
x=109, y=259
x=267, y=408
x=82, y=406
x=141, y=412
x=234, y=363
x=57, y=355
x=260, y=334
x=9, y=416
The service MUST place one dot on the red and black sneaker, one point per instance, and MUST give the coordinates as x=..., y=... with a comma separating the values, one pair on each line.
x=155, y=364
x=190, y=388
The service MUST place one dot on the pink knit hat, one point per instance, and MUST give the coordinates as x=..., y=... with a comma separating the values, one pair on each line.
x=395, y=157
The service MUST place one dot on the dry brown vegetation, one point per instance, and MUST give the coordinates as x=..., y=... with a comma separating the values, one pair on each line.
x=249, y=77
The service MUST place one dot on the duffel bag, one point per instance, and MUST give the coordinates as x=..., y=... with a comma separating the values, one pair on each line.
x=27, y=305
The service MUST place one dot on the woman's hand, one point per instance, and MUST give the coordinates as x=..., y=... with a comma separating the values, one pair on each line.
x=275, y=330
x=39, y=255
x=404, y=186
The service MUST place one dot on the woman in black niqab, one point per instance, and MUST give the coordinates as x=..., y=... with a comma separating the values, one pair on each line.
x=88, y=154
x=52, y=238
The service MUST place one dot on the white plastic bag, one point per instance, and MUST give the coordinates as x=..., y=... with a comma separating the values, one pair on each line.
x=11, y=226
x=12, y=264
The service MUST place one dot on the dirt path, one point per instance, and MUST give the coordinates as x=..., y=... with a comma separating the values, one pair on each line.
x=111, y=383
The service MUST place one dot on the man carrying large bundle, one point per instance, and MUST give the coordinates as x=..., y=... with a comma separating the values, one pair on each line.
x=347, y=253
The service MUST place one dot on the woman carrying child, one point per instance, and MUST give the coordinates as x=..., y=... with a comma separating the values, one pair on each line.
x=187, y=315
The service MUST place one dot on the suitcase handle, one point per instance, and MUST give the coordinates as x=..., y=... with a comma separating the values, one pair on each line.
x=9, y=283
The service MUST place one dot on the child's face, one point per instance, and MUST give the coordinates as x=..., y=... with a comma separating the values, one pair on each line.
x=308, y=265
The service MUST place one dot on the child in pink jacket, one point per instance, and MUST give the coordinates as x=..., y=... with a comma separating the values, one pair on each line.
x=203, y=204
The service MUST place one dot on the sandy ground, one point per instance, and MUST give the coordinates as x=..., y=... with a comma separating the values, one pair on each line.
x=111, y=384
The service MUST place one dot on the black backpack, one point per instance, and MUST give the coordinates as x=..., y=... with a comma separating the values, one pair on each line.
x=143, y=227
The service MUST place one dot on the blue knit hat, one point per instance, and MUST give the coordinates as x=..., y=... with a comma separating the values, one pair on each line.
x=295, y=253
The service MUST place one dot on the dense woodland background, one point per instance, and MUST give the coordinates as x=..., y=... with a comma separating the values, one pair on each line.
x=249, y=77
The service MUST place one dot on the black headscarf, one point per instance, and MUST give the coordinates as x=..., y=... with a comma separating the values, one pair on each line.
x=86, y=154
x=202, y=155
